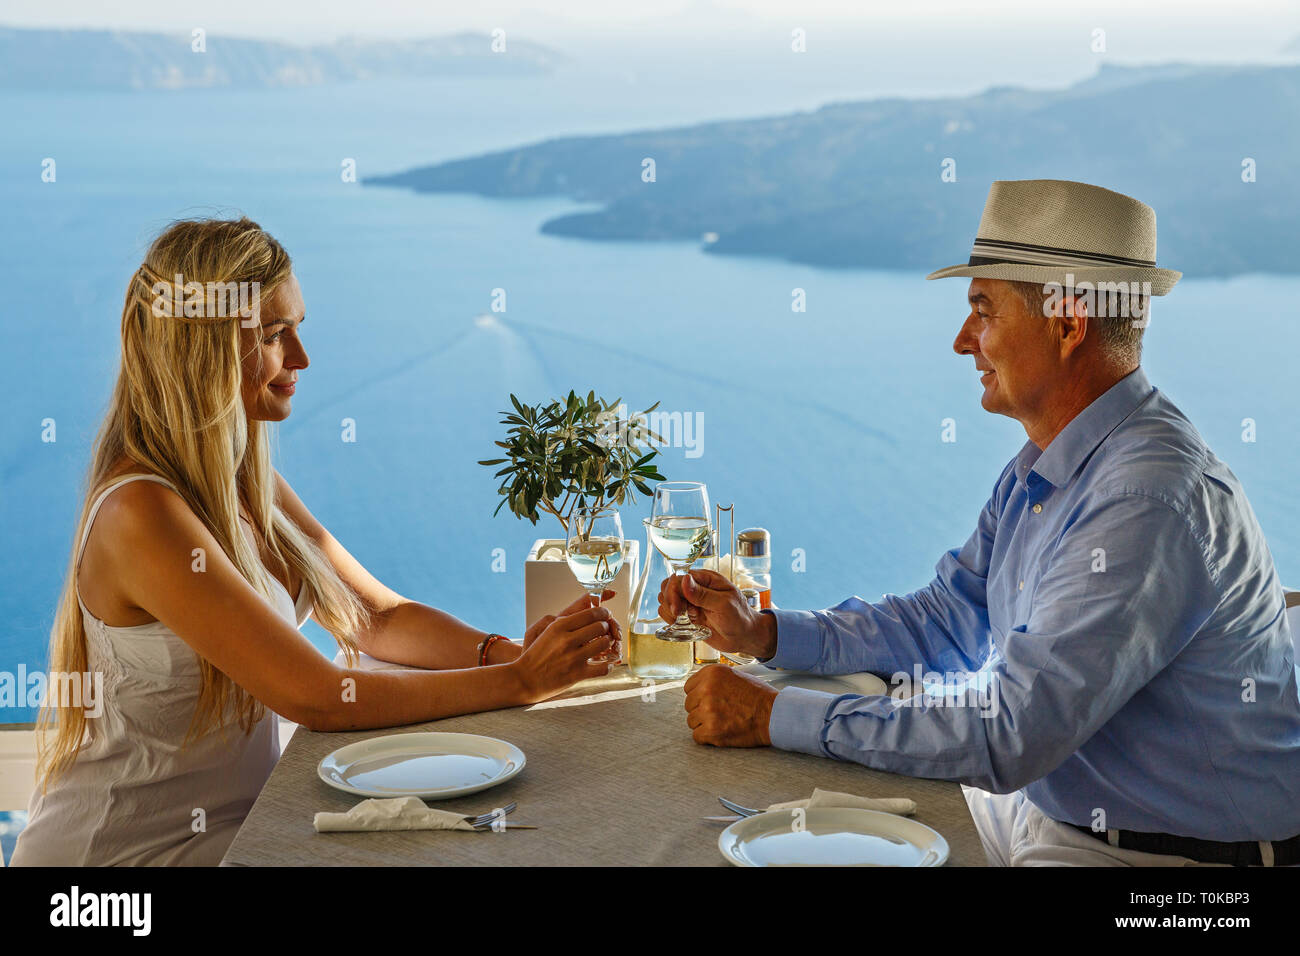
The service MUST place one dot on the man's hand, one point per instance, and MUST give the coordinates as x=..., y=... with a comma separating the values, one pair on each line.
x=708, y=598
x=726, y=708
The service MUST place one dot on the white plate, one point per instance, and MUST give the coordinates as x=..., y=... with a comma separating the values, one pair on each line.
x=431, y=766
x=831, y=836
x=864, y=684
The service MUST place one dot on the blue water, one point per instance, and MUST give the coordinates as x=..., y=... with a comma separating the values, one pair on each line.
x=825, y=427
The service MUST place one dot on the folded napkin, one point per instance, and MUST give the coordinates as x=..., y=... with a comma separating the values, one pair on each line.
x=829, y=798
x=397, y=813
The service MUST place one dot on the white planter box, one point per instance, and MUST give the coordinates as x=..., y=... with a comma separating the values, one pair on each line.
x=549, y=585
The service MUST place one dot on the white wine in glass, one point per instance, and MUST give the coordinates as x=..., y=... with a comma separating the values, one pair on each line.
x=680, y=539
x=680, y=531
x=594, y=551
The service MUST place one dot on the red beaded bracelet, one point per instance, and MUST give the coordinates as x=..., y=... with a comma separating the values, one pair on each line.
x=487, y=646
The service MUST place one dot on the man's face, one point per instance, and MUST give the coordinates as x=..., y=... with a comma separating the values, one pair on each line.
x=1015, y=350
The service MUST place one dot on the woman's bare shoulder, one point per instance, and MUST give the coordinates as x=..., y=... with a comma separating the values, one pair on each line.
x=137, y=506
x=130, y=521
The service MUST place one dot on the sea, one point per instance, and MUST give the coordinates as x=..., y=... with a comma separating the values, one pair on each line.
x=851, y=430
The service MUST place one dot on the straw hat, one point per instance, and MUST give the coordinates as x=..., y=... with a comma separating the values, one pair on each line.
x=1041, y=230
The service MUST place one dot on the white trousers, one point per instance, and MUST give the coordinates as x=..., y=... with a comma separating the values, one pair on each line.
x=1016, y=833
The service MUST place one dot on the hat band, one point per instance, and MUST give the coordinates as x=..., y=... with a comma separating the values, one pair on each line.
x=992, y=252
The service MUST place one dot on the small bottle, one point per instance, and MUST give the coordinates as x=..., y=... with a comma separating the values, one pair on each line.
x=754, y=558
x=705, y=653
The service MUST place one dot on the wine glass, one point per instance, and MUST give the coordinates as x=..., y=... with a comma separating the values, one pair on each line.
x=594, y=550
x=680, y=530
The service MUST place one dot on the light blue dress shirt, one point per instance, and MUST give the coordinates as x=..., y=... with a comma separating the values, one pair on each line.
x=1120, y=608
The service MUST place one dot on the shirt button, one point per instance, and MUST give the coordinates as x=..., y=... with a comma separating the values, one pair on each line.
x=1022, y=585
x=1038, y=509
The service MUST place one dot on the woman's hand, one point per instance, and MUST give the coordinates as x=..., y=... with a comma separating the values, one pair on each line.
x=584, y=602
x=558, y=654
x=708, y=598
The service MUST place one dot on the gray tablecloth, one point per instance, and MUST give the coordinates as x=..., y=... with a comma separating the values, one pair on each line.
x=612, y=778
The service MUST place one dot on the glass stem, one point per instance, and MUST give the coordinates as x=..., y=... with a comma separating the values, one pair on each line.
x=597, y=594
x=684, y=619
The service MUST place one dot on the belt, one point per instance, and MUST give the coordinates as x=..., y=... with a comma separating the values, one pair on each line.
x=1247, y=853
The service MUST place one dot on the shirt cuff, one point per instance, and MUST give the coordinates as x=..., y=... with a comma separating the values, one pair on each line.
x=798, y=716
x=798, y=640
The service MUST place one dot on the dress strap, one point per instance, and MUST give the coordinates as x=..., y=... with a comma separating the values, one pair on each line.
x=99, y=500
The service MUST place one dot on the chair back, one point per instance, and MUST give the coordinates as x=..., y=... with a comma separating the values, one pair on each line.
x=17, y=768
x=1293, y=618
x=17, y=765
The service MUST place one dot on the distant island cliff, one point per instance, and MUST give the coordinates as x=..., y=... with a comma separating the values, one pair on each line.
x=126, y=60
x=1215, y=150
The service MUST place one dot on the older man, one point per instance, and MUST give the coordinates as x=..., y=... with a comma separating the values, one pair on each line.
x=1116, y=596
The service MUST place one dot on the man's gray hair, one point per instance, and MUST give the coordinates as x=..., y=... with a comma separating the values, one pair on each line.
x=1120, y=320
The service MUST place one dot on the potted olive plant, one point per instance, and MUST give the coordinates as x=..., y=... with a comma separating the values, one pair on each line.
x=565, y=455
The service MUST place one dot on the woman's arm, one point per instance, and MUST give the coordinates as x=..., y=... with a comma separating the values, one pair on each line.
x=228, y=623
x=403, y=631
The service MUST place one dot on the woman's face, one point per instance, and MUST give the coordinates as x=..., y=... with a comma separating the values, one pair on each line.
x=268, y=386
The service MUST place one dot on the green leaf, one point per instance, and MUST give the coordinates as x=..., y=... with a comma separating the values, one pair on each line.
x=554, y=454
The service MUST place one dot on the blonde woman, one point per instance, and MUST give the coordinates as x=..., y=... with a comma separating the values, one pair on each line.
x=194, y=566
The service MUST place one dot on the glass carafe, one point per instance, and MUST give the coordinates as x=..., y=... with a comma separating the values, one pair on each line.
x=648, y=657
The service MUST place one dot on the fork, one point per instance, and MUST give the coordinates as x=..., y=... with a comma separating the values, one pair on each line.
x=488, y=817
x=737, y=808
x=488, y=825
x=487, y=821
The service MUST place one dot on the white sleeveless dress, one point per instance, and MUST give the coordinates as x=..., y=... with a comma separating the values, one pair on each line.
x=131, y=796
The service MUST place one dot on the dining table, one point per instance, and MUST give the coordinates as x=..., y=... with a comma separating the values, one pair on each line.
x=612, y=777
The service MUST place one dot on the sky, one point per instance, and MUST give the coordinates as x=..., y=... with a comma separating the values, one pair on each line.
x=1204, y=29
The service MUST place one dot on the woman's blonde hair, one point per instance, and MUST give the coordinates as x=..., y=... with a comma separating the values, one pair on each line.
x=177, y=412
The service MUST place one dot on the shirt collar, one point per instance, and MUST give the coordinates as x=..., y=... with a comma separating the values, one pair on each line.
x=1061, y=459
